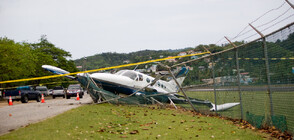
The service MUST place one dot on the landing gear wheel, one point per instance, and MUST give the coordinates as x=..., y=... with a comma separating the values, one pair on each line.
x=38, y=98
x=25, y=99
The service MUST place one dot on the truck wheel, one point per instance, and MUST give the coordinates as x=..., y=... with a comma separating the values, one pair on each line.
x=63, y=96
x=67, y=97
x=38, y=98
x=81, y=96
x=24, y=99
x=53, y=96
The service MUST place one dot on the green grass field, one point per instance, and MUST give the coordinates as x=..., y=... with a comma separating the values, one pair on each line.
x=106, y=121
x=254, y=102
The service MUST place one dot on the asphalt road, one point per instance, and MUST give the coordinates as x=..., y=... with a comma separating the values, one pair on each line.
x=20, y=115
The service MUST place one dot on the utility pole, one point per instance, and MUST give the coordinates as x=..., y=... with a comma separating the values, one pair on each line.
x=85, y=64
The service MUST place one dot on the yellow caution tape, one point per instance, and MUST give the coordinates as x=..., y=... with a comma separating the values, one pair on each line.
x=95, y=70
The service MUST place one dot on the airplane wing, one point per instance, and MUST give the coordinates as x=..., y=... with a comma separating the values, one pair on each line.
x=56, y=70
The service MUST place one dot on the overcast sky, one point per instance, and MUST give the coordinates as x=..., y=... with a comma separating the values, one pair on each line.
x=88, y=27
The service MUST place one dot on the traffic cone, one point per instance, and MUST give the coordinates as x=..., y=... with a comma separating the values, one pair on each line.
x=78, y=97
x=10, y=101
x=42, y=100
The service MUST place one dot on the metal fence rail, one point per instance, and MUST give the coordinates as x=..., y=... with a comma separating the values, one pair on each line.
x=258, y=74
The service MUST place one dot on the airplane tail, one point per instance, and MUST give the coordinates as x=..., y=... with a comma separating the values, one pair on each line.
x=223, y=107
x=180, y=77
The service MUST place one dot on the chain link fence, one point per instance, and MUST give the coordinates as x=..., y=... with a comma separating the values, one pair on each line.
x=259, y=75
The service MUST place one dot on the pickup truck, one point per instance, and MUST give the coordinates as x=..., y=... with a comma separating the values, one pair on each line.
x=24, y=94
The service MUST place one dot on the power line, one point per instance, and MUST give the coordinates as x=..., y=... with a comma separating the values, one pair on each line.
x=274, y=19
x=219, y=40
x=277, y=22
x=241, y=32
x=267, y=13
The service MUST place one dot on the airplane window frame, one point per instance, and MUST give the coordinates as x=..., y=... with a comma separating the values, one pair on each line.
x=130, y=74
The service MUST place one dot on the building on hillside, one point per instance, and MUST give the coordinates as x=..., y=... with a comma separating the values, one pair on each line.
x=229, y=80
x=194, y=57
x=141, y=70
x=191, y=52
x=171, y=60
x=126, y=61
x=79, y=67
x=182, y=54
x=162, y=72
x=153, y=68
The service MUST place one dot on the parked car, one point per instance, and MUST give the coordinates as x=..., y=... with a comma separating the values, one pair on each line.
x=50, y=91
x=43, y=90
x=24, y=94
x=58, y=91
x=72, y=91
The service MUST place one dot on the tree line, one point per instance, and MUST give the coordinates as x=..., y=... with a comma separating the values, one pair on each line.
x=24, y=60
x=21, y=60
x=225, y=63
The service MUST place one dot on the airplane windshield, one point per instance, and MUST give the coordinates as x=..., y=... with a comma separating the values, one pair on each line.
x=130, y=74
x=120, y=72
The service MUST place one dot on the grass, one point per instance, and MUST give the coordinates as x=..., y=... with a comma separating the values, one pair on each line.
x=255, y=102
x=106, y=121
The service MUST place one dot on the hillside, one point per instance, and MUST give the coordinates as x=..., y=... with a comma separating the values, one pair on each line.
x=112, y=59
x=225, y=64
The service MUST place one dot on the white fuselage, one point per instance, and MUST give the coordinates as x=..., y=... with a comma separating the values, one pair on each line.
x=133, y=80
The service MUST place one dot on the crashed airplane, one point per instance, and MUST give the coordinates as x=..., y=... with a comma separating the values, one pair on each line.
x=139, y=87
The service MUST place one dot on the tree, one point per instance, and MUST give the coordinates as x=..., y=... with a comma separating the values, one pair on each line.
x=16, y=60
x=24, y=60
x=47, y=54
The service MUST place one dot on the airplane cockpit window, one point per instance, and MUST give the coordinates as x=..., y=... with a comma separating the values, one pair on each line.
x=148, y=80
x=130, y=74
x=140, y=77
x=158, y=84
x=120, y=72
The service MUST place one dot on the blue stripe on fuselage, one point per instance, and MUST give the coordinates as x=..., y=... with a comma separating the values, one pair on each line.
x=55, y=72
x=116, y=88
